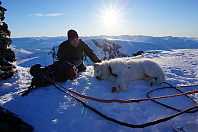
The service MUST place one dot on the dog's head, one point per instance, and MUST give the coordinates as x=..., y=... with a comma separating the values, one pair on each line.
x=101, y=71
x=98, y=71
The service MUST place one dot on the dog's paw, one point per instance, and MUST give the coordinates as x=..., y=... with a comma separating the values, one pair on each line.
x=113, y=89
x=158, y=83
x=152, y=82
x=155, y=81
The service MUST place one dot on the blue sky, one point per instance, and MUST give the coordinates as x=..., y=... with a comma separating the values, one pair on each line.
x=31, y=18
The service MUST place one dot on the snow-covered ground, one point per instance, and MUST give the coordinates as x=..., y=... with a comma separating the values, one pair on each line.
x=49, y=110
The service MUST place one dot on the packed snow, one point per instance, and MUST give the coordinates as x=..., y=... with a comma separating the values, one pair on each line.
x=48, y=109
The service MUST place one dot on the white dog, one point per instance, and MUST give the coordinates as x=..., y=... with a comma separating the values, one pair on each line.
x=122, y=72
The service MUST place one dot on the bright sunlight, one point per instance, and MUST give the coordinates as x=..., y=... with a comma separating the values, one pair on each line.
x=110, y=18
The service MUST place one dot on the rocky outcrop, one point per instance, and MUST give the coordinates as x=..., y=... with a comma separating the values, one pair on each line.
x=110, y=49
x=7, y=56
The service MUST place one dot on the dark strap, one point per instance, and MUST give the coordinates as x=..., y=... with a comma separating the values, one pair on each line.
x=112, y=72
x=176, y=88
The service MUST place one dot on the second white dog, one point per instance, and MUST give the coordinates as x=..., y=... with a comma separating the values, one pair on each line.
x=122, y=72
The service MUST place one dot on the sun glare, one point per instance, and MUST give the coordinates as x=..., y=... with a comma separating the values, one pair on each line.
x=110, y=18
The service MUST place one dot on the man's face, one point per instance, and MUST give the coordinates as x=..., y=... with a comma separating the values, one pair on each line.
x=75, y=42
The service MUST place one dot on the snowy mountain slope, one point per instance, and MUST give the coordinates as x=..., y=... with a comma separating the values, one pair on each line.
x=48, y=109
x=37, y=47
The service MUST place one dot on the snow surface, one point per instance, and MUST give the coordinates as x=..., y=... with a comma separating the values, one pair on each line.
x=49, y=110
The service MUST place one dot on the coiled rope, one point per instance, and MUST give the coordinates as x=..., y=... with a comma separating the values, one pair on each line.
x=195, y=108
x=119, y=100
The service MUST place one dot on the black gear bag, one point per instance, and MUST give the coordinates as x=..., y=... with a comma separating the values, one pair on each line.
x=59, y=71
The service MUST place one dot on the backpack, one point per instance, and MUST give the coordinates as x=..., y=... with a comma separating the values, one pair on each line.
x=59, y=71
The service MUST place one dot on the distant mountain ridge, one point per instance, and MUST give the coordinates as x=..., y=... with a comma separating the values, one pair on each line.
x=106, y=47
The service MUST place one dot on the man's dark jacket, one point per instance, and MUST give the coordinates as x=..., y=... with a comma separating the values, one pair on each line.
x=67, y=52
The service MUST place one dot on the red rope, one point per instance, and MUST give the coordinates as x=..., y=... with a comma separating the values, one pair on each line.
x=122, y=101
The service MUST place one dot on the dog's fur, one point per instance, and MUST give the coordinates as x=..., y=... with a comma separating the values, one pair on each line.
x=122, y=72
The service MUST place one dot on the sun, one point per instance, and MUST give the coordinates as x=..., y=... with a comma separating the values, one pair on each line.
x=110, y=18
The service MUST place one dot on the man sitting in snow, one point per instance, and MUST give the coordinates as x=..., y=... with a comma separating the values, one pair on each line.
x=73, y=49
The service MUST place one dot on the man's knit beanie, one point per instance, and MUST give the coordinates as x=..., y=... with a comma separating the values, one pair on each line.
x=72, y=34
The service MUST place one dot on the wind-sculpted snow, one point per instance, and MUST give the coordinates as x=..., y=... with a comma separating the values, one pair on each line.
x=48, y=109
